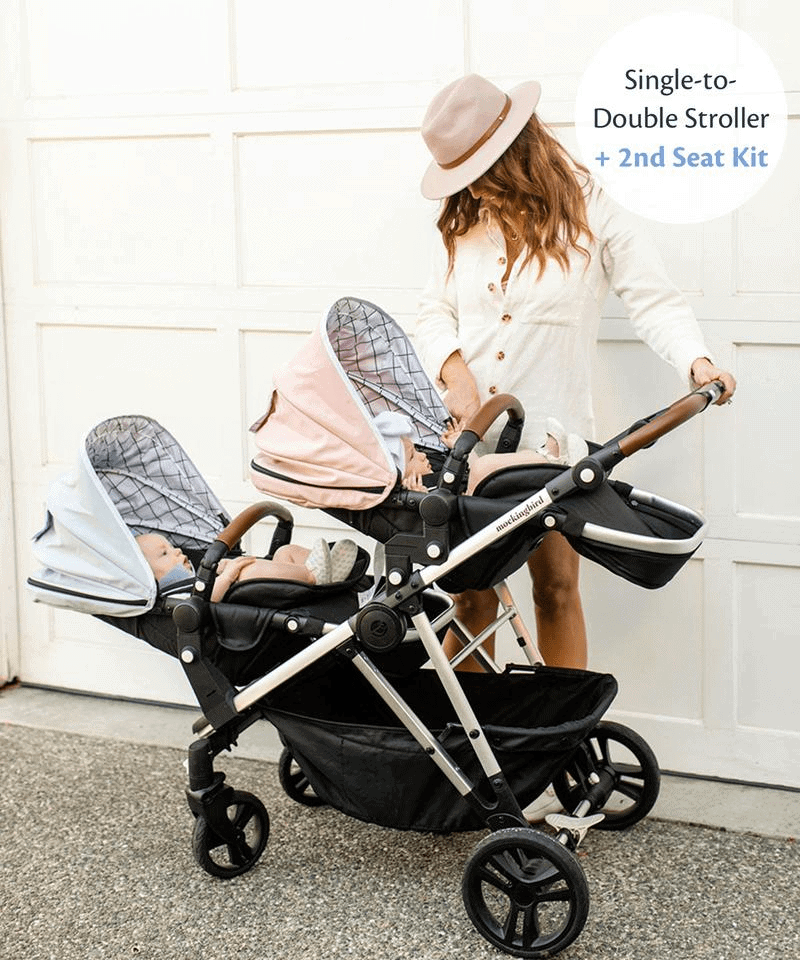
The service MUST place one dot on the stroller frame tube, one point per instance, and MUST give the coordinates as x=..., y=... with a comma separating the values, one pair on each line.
x=510, y=615
x=411, y=722
x=456, y=694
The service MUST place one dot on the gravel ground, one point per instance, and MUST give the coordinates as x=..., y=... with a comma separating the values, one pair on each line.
x=96, y=862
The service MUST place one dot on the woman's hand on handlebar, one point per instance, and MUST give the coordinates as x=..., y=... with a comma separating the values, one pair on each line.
x=704, y=371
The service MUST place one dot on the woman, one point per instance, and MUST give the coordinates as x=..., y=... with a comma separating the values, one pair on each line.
x=529, y=248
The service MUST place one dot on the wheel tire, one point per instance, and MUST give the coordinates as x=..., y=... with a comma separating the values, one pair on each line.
x=622, y=753
x=226, y=859
x=525, y=892
x=295, y=782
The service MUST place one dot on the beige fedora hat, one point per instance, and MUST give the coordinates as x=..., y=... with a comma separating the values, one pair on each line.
x=468, y=126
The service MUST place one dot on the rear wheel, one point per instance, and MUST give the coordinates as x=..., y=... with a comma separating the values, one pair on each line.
x=295, y=783
x=525, y=892
x=625, y=757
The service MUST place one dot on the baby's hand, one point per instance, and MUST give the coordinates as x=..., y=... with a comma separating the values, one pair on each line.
x=230, y=568
x=413, y=481
x=228, y=572
x=453, y=431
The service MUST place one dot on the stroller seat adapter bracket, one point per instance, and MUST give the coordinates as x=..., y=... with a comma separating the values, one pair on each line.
x=380, y=628
x=437, y=507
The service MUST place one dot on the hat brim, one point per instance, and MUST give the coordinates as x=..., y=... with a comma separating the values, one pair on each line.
x=438, y=183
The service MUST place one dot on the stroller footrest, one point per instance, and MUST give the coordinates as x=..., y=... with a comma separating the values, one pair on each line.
x=576, y=827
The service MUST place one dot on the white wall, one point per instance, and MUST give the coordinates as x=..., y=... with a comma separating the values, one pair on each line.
x=187, y=184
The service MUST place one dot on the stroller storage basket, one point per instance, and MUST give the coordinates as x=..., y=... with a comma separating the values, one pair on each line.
x=362, y=761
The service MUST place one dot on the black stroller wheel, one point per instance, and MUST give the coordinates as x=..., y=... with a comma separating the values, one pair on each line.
x=229, y=858
x=525, y=892
x=295, y=782
x=621, y=753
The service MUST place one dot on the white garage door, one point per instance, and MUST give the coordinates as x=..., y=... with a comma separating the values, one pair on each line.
x=180, y=204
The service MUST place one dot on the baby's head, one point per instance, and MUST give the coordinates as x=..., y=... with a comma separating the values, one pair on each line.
x=163, y=557
x=416, y=461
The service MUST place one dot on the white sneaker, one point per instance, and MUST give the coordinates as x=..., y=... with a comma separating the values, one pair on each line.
x=546, y=803
x=319, y=562
x=343, y=558
x=562, y=447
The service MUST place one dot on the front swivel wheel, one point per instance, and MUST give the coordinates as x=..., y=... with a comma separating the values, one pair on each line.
x=237, y=843
x=525, y=892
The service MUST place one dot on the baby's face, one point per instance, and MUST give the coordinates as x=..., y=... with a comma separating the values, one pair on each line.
x=416, y=463
x=161, y=555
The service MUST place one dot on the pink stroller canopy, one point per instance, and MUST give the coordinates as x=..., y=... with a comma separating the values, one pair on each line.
x=318, y=445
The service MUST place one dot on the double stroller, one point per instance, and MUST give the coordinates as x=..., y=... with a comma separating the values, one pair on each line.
x=375, y=720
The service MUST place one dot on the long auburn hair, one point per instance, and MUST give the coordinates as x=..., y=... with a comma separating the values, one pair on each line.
x=535, y=193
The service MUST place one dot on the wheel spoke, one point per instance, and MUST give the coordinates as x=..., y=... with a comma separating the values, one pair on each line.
x=530, y=926
x=243, y=816
x=633, y=791
x=560, y=895
x=240, y=851
x=499, y=882
x=510, y=925
x=506, y=865
x=602, y=744
x=628, y=770
x=539, y=871
x=300, y=782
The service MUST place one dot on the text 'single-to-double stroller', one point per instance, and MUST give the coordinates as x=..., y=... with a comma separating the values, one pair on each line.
x=374, y=718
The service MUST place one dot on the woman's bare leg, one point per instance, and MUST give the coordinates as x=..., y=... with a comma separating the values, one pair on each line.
x=561, y=629
x=476, y=609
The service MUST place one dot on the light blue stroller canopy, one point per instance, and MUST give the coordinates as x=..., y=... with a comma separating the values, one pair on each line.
x=132, y=477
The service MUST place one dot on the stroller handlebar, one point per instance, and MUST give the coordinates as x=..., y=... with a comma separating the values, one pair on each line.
x=670, y=418
x=591, y=471
x=229, y=537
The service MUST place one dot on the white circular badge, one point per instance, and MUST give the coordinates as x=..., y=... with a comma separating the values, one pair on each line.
x=681, y=117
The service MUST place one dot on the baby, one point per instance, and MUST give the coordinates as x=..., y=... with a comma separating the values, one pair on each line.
x=320, y=565
x=395, y=428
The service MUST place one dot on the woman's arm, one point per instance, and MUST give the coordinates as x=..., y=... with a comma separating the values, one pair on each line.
x=659, y=312
x=437, y=341
x=462, y=398
x=436, y=334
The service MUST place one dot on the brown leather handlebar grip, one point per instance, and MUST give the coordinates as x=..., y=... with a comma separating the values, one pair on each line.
x=248, y=518
x=480, y=422
x=680, y=411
